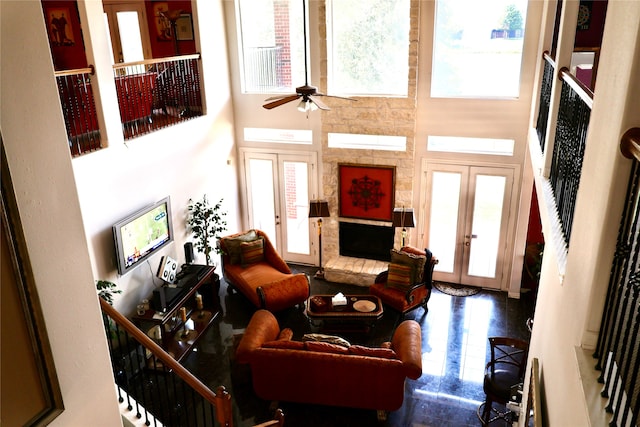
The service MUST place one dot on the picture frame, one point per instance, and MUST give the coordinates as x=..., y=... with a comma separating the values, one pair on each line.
x=184, y=27
x=34, y=378
x=59, y=26
x=366, y=191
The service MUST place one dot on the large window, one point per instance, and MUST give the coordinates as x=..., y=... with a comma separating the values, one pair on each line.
x=478, y=48
x=272, y=45
x=368, y=47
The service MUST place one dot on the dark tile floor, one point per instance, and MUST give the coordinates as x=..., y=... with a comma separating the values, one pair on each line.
x=454, y=345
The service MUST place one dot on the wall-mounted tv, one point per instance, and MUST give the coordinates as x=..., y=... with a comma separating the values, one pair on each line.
x=142, y=234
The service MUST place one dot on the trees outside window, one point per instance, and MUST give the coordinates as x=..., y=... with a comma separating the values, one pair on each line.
x=368, y=47
x=478, y=48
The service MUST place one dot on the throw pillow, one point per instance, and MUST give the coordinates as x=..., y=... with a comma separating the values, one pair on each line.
x=325, y=347
x=252, y=252
x=361, y=350
x=232, y=244
x=399, y=277
x=332, y=339
x=416, y=262
x=285, y=335
x=286, y=345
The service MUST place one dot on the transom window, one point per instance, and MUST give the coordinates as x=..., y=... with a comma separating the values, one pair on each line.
x=368, y=47
x=478, y=48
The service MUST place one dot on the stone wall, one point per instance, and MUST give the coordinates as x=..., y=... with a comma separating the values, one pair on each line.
x=371, y=116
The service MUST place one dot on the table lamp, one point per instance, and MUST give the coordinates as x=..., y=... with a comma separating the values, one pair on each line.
x=319, y=209
x=403, y=217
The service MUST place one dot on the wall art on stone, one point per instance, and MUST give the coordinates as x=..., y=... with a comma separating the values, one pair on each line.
x=366, y=191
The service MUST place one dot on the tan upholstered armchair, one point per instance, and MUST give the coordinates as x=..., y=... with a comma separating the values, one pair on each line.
x=408, y=281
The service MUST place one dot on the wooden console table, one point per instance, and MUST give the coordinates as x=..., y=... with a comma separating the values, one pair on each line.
x=183, y=323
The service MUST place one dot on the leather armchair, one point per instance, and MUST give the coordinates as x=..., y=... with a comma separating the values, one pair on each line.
x=416, y=294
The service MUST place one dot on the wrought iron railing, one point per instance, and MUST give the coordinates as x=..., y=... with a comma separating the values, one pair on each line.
x=157, y=387
x=79, y=110
x=618, y=349
x=263, y=69
x=568, y=148
x=545, y=98
x=157, y=93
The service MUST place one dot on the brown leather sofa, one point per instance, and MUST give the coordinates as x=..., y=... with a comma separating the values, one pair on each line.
x=260, y=273
x=329, y=374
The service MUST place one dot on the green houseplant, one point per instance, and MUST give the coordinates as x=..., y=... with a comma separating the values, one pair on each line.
x=106, y=290
x=206, y=222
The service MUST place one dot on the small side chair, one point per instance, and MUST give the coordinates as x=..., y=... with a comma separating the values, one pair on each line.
x=504, y=372
x=401, y=287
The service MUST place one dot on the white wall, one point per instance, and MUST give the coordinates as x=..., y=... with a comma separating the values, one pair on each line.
x=569, y=308
x=184, y=161
x=67, y=206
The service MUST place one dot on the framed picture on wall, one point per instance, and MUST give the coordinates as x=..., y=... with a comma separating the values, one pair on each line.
x=59, y=26
x=184, y=27
x=366, y=191
x=163, y=25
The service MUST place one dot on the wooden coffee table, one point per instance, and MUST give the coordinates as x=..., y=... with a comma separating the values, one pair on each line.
x=360, y=314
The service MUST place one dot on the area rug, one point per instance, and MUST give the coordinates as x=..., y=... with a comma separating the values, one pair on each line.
x=455, y=289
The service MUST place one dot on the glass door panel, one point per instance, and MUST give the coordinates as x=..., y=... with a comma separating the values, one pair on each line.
x=445, y=206
x=296, y=199
x=130, y=36
x=487, y=218
x=128, y=31
x=262, y=208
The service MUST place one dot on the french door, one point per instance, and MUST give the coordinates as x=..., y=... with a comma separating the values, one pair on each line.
x=278, y=188
x=467, y=222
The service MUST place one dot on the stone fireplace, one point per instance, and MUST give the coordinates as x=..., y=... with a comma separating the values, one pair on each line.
x=369, y=116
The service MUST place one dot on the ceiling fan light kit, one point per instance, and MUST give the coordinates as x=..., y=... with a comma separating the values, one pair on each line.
x=309, y=94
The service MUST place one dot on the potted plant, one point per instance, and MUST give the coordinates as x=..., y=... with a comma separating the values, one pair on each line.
x=206, y=222
x=106, y=290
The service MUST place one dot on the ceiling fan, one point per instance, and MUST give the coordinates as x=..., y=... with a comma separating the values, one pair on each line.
x=307, y=94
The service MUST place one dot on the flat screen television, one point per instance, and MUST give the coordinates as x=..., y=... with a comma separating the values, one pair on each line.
x=142, y=234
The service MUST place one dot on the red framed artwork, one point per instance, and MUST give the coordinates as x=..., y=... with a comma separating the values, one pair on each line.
x=366, y=191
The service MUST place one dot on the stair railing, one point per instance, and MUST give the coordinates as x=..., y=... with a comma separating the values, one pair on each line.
x=574, y=113
x=161, y=388
x=618, y=349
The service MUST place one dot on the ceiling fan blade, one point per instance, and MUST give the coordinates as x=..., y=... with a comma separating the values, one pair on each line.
x=335, y=96
x=321, y=105
x=271, y=98
x=281, y=101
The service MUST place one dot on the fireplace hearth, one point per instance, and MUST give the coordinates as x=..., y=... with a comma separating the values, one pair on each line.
x=365, y=241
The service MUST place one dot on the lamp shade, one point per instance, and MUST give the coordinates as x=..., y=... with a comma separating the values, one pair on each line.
x=318, y=209
x=403, y=217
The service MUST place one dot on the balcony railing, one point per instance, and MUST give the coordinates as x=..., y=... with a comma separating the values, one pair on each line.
x=264, y=70
x=157, y=93
x=569, y=144
x=160, y=388
x=79, y=110
x=618, y=349
x=545, y=99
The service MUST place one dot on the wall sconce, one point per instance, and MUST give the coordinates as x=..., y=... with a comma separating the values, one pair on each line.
x=403, y=218
x=319, y=209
